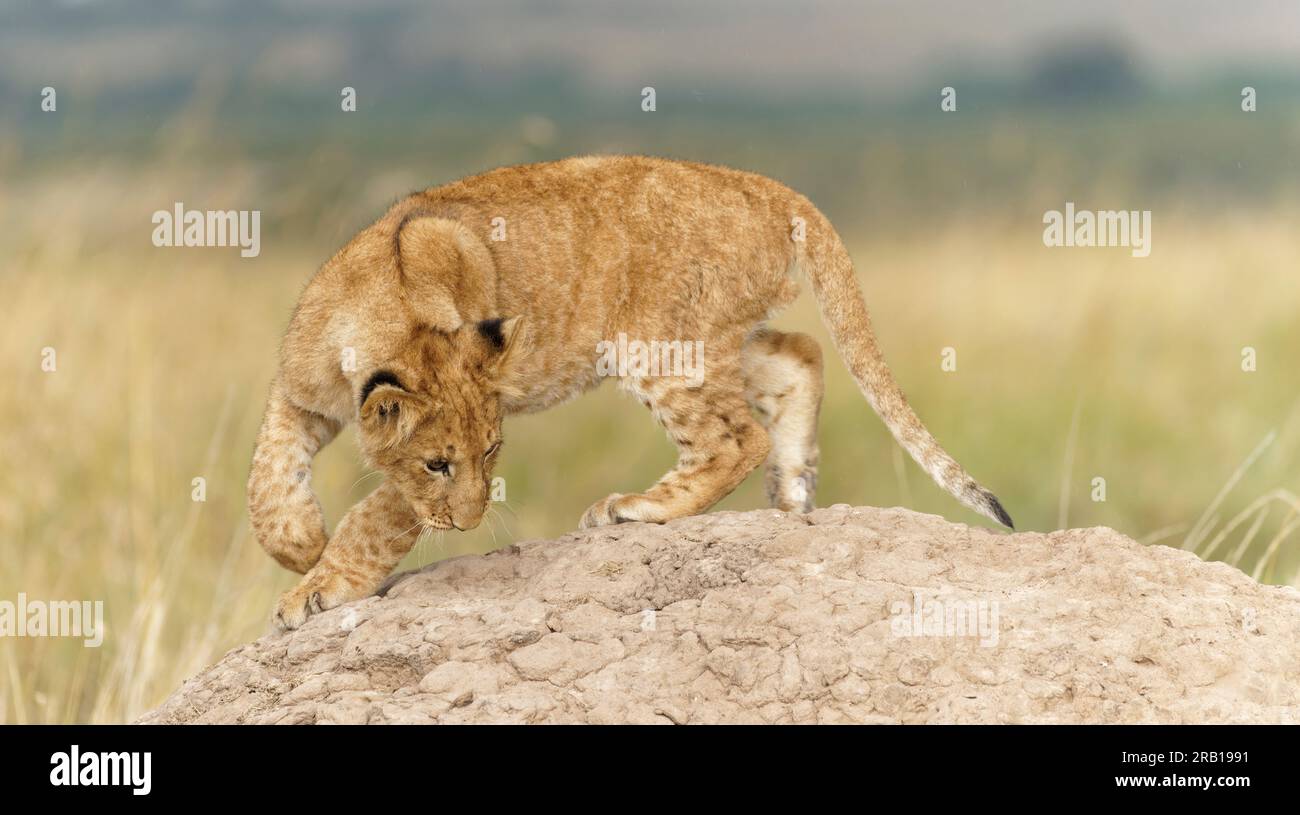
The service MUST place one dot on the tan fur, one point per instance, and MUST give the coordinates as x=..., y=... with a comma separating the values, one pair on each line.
x=594, y=247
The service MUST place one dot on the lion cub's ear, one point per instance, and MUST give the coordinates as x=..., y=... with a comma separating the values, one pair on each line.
x=503, y=337
x=389, y=412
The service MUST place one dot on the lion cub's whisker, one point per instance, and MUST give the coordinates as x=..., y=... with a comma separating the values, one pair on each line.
x=371, y=474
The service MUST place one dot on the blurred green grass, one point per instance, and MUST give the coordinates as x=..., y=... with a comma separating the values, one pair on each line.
x=164, y=356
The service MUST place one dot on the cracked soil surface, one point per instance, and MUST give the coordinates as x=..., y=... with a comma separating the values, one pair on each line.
x=770, y=617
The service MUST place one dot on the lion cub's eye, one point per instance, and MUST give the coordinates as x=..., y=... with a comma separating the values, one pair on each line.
x=439, y=467
x=492, y=450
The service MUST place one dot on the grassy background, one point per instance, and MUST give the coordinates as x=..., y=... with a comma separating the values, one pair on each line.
x=1072, y=364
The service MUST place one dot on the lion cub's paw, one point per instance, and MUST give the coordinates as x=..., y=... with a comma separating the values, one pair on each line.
x=316, y=592
x=606, y=511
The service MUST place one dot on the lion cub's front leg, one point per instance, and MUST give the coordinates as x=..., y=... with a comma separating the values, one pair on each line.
x=718, y=444
x=285, y=515
x=370, y=540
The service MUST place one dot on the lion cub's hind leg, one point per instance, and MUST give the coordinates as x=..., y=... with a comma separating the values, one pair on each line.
x=372, y=538
x=718, y=444
x=783, y=383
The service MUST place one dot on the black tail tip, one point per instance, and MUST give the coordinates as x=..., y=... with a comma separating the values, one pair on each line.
x=995, y=507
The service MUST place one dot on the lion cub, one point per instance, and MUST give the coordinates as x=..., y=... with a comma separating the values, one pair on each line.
x=493, y=295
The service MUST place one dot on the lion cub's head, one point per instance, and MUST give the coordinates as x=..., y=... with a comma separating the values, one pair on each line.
x=430, y=420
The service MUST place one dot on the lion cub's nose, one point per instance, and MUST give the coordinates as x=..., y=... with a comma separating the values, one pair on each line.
x=465, y=526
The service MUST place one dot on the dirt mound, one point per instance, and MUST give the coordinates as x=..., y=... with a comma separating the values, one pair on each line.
x=843, y=615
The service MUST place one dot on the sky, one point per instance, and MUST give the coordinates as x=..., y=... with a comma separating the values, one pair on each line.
x=854, y=45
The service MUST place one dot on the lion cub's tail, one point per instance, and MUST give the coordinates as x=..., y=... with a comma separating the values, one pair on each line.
x=830, y=271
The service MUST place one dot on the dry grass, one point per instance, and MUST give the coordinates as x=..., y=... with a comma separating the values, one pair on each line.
x=1119, y=368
